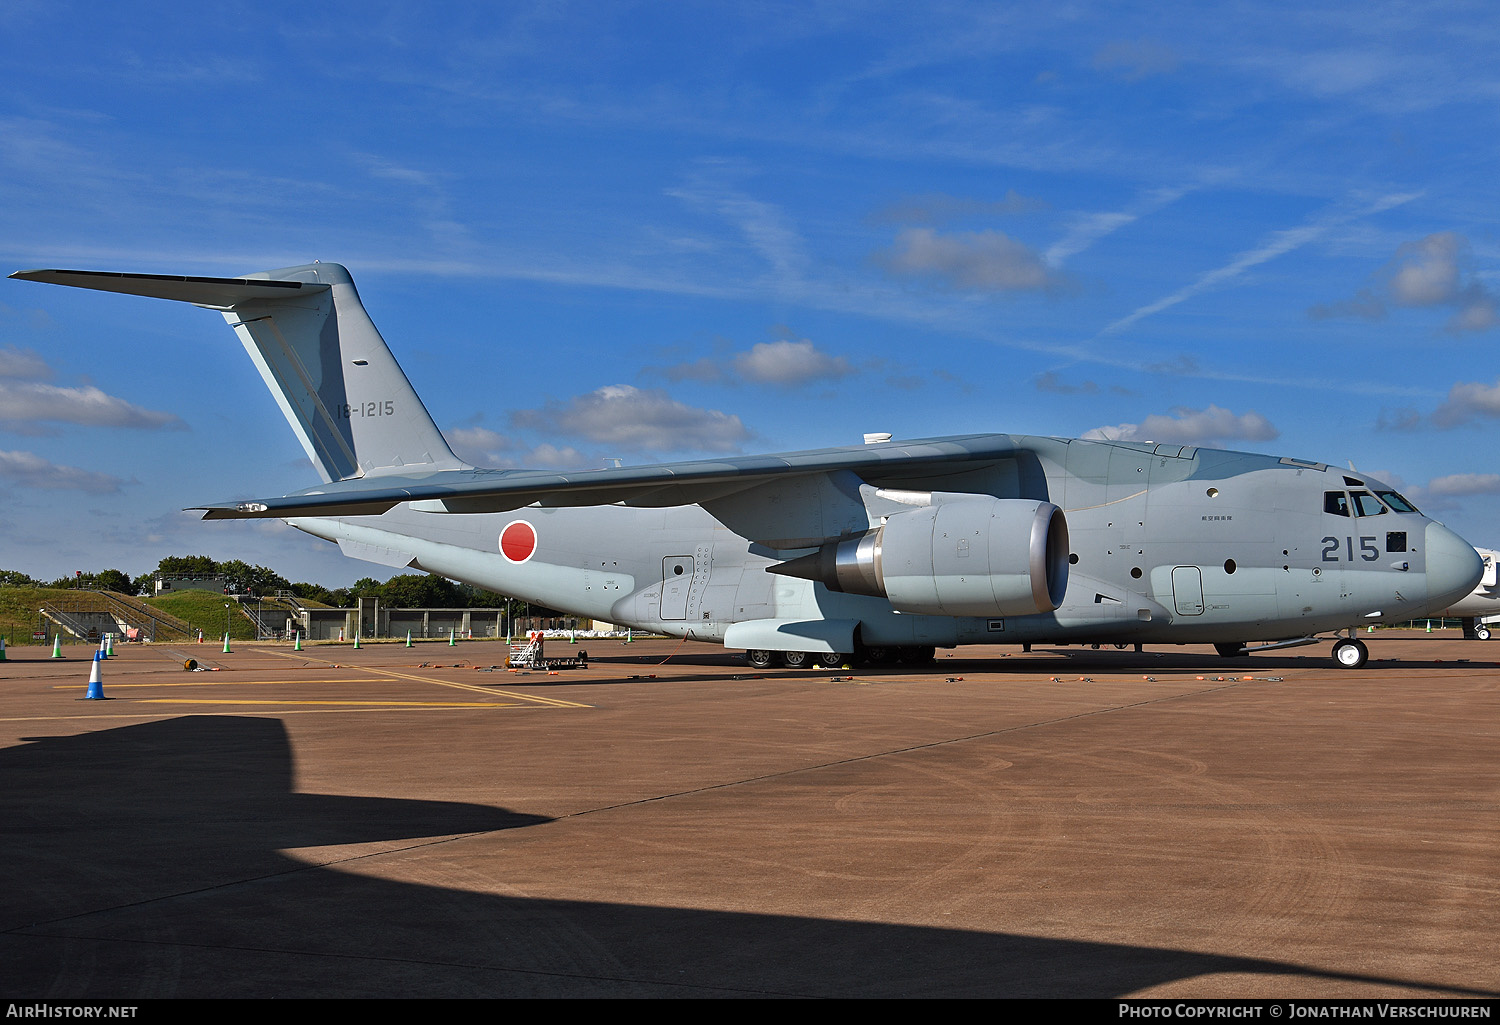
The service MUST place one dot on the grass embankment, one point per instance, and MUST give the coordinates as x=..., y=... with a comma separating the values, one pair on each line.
x=18, y=612
x=203, y=609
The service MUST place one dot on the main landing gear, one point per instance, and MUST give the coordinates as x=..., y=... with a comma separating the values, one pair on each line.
x=762, y=658
x=797, y=659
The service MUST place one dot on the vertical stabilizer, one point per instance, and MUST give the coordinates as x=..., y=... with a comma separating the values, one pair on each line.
x=318, y=351
x=335, y=379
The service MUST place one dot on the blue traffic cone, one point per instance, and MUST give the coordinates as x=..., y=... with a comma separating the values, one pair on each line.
x=96, y=685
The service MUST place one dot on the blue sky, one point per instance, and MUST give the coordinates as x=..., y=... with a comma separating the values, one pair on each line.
x=605, y=230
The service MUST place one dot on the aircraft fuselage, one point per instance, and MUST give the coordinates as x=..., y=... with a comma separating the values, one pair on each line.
x=1167, y=543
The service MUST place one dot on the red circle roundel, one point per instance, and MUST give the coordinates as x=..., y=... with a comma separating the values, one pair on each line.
x=518, y=541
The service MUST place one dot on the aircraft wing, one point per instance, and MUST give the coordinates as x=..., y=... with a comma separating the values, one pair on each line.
x=661, y=484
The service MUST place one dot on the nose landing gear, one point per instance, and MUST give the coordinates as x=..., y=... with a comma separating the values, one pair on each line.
x=1350, y=653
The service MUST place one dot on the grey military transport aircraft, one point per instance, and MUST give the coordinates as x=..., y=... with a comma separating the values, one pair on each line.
x=876, y=552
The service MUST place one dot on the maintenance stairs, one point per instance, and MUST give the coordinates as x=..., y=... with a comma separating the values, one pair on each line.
x=88, y=615
x=269, y=614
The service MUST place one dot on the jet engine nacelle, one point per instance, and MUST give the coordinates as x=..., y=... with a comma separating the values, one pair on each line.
x=966, y=555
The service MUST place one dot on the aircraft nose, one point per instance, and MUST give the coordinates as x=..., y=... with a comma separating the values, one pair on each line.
x=1453, y=566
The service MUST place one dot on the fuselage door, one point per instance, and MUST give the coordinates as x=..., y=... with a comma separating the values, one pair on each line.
x=676, y=585
x=1187, y=590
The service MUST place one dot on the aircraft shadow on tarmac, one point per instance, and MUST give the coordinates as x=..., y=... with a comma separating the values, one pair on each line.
x=144, y=861
x=1045, y=659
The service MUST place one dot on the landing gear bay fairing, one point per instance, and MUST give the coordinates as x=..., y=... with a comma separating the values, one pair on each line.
x=876, y=552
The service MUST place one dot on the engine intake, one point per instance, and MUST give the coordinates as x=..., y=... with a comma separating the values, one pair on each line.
x=972, y=555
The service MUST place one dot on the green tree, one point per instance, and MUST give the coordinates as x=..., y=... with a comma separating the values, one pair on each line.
x=187, y=566
x=111, y=580
x=253, y=580
x=419, y=590
x=365, y=587
x=313, y=592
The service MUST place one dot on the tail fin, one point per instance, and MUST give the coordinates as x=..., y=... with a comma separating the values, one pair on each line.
x=326, y=365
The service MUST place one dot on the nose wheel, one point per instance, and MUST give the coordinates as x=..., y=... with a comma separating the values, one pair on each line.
x=1351, y=654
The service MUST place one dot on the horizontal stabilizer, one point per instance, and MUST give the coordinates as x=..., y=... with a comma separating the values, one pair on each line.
x=219, y=293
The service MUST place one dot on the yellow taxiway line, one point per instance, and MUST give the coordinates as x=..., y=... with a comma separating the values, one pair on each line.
x=343, y=704
x=220, y=681
x=554, y=702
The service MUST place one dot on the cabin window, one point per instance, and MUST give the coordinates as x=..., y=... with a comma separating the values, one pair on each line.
x=1395, y=541
x=1396, y=502
x=1336, y=502
x=1366, y=504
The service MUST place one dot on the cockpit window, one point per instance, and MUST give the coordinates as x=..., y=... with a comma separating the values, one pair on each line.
x=1336, y=502
x=1396, y=501
x=1366, y=504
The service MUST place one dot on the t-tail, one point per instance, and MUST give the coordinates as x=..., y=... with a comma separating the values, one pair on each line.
x=329, y=370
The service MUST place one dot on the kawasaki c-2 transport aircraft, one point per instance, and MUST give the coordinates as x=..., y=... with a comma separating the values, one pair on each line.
x=881, y=551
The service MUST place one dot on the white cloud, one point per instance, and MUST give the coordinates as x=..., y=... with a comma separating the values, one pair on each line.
x=484, y=447
x=1191, y=426
x=1427, y=273
x=22, y=402
x=637, y=419
x=560, y=458
x=477, y=445
x=789, y=363
x=1465, y=484
x=25, y=400
x=30, y=470
x=988, y=261
x=1468, y=401
x=22, y=363
x=783, y=363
